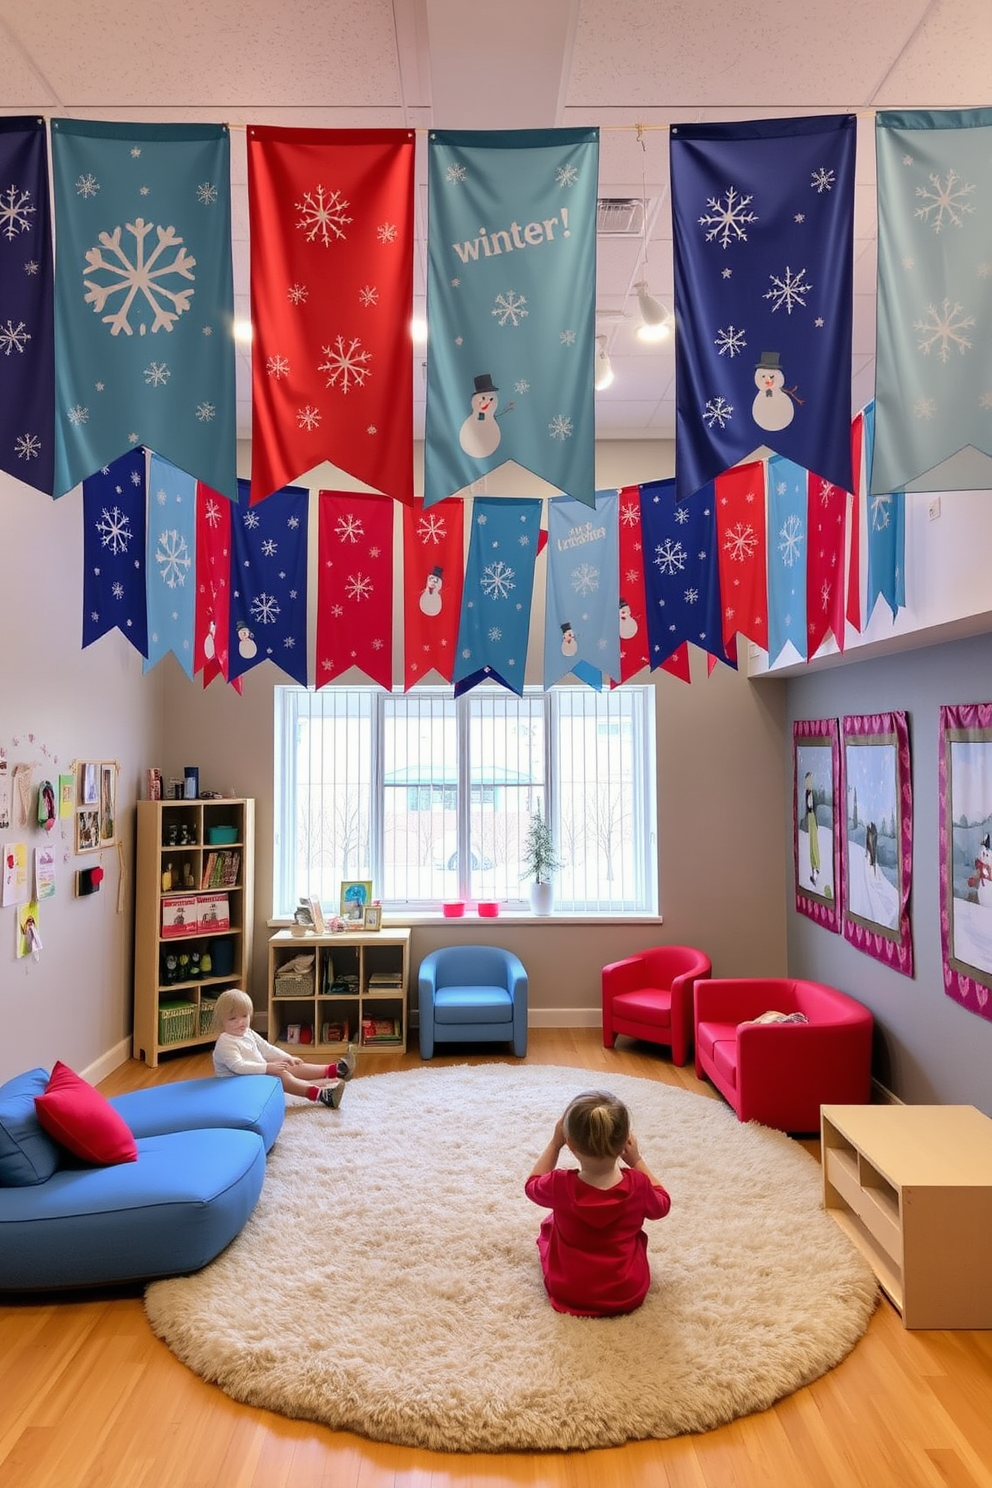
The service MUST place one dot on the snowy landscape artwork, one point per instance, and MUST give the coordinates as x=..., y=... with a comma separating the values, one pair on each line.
x=970, y=817
x=872, y=837
x=814, y=811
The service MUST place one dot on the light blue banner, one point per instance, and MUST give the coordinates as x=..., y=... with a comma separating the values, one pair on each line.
x=933, y=376
x=144, y=301
x=170, y=564
x=497, y=594
x=511, y=302
x=886, y=537
x=787, y=549
x=582, y=606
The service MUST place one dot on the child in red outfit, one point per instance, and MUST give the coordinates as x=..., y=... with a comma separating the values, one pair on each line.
x=592, y=1247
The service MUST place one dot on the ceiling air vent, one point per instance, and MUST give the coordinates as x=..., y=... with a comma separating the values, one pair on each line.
x=620, y=216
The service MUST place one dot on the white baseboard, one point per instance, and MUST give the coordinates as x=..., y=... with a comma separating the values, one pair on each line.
x=564, y=1017
x=107, y=1063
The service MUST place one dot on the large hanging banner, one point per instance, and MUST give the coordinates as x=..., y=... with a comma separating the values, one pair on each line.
x=787, y=547
x=499, y=589
x=114, y=552
x=965, y=853
x=171, y=564
x=268, y=610
x=742, y=550
x=763, y=216
x=511, y=301
x=635, y=647
x=886, y=537
x=331, y=215
x=826, y=508
x=27, y=333
x=354, y=587
x=211, y=628
x=582, y=603
x=144, y=301
x=681, y=572
x=933, y=372
x=433, y=569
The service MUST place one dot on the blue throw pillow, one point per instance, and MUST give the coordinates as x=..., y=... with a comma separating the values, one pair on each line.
x=27, y=1154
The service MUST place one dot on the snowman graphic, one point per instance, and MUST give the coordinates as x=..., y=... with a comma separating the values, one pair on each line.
x=569, y=645
x=480, y=433
x=430, y=599
x=774, y=405
x=246, y=642
x=209, y=644
x=628, y=625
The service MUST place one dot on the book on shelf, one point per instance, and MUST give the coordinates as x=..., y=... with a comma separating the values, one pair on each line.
x=335, y=1033
x=179, y=915
x=213, y=912
x=386, y=979
x=220, y=869
x=382, y=1030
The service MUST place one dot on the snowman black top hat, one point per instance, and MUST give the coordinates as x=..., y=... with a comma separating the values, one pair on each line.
x=566, y=625
x=437, y=571
x=484, y=383
x=770, y=359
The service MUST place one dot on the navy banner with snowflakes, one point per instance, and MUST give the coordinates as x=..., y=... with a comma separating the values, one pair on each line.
x=511, y=299
x=171, y=583
x=681, y=571
x=144, y=301
x=582, y=601
x=27, y=335
x=114, y=552
x=763, y=218
x=497, y=593
x=269, y=582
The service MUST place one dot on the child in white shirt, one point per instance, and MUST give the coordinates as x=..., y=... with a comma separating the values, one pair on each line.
x=239, y=1050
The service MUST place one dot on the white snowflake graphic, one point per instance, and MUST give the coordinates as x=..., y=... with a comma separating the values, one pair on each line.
x=270, y=547
x=823, y=180
x=521, y=386
x=173, y=558
x=251, y=520
x=117, y=590
x=509, y=308
x=308, y=417
x=349, y=528
x=787, y=290
x=265, y=609
x=728, y=217
x=630, y=514
x=27, y=446
x=497, y=580
x=206, y=193
x=947, y=202
x=924, y=408
x=560, y=427
x=347, y=366
x=944, y=328
x=567, y=338
x=31, y=267
x=212, y=513
x=791, y=540
x=157, y=374
x=358, y=586
x=277, y=366
x=13, y=338
x=455, y=175
x=140, y=281
x=584, y=579
x=730, y=342
x=431, y=529
x=670, y=556
x=718, y=412
x=691, y=596
x=297, y=293
x=566, y=175
x=387, y=232
x=681, y=515
x=78, y=414
x=114, y=528
x=368, y=295
x=985, y=400
x=15, y=212
x=323, y=216
x=881, y=512
x=87, y=185
x=741, y=542
x=495, y=633
x=826, y=593
x=205, y=412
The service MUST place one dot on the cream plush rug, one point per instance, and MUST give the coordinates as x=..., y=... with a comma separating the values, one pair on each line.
x=388, y=1282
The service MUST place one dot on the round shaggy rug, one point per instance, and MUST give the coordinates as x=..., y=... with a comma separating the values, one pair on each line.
x=388, y=1282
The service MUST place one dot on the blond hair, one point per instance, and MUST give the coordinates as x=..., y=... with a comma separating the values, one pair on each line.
x=597, y=1124
x=233, y=1000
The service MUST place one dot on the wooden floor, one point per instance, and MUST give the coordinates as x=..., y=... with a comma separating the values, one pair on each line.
x=90, y=1399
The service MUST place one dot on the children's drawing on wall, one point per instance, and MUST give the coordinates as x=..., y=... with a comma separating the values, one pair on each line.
x=44, y=871
x=4, y=796
x=28, y=932
x=108, y=812
x=873, y=831
x=970, y=818
x=67, y=795
x=90, y=784
x=87, y=829
x=816, y=828
x=15, y=873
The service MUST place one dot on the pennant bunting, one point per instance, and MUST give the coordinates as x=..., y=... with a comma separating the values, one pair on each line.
x=933, y=375
x=511, y=299
x=354, y=587
x=763, y=217
x=211, y=632
x=331, y=215
x=681, y=571
x=433, y=568
x=144, y=304
x=268, y=608
x=853, y=613
x=114, y=552
x=27, y=333
x=787, y=549
x=171, y=564
x=826, y=507
x=631, y=602
x=886, y=528
x=743, y=554
x=582, y=604
x=498, y=592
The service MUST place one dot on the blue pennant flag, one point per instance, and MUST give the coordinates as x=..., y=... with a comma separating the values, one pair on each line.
x=511, y=300
x=933, y=371
x=497, y=593
x=27, y=333
x=582, y=604
x=763, y=216
x=114, y=552
x=681, y=571
x=269, y=582
x=144, y=300
x=886, y=536
x=171, y=566
x=787, y=549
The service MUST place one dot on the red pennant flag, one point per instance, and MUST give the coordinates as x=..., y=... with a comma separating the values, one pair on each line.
x=826, y=522
x=354, y=586
x=331, y=220
x=743, y=552
x=854, y=559
x=211, y=625
x=634, y=651
x=433, y=574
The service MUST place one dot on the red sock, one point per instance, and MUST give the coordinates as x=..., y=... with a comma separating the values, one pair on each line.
x=331, y=1071
x=312, y=1092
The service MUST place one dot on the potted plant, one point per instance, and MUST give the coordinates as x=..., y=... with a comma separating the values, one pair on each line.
x=541, y=861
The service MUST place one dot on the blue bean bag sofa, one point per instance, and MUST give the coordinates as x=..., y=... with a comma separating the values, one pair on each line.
x=197, y=1171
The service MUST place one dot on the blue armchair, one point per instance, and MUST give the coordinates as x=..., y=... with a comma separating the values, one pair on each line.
x=472, y=994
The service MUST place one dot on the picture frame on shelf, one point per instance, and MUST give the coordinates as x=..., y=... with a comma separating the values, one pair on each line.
x=373, y=917
x=317, y=915
x=88, y=829
x=356, y=893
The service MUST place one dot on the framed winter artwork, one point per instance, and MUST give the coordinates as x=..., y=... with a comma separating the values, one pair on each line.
x=877, y=854
x=965, y=854
x=815, y=828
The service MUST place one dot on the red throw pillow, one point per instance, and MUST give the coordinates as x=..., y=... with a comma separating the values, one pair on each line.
x=83, y=1120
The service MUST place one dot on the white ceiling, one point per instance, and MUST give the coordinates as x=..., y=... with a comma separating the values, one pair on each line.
x=632, y=68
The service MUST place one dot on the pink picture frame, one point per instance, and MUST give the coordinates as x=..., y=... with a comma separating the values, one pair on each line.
x=816, y=820
x=877, y=853
x=965, y=854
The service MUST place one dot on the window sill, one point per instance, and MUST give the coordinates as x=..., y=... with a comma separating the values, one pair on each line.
x=472, y=920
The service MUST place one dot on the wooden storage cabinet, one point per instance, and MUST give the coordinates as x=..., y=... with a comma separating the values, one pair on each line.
x=356, y=990
x=173, y=1010
x=912, y=1187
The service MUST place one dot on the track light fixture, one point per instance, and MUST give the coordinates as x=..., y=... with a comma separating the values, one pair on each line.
x=602, y=366
x=656, y=322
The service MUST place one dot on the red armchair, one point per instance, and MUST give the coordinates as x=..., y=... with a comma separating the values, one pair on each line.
x=781, y=1073
x=649, y=996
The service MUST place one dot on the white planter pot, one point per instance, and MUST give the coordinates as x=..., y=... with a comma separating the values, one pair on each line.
x=542, y=897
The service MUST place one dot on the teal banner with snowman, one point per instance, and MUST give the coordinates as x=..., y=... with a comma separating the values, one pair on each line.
x=511, y=302
x=582, y=603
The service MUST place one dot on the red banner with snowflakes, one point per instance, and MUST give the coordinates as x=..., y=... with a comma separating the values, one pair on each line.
x=634, y=650
x=433, y=574
x=331, y=219
x=211, y=626
x=354, y=586
x=743, y=550
x=854, y=554
x=826, y=525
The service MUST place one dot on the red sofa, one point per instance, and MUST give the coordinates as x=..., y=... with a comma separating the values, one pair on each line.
x=781, y=1073
x=649, y=996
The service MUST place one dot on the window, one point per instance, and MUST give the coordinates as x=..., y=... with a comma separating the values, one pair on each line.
x=430, y=796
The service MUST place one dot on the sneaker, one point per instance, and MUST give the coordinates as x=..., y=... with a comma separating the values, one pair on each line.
x=347, y=1065
x=330, y=1095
